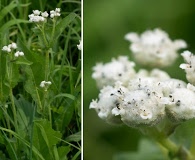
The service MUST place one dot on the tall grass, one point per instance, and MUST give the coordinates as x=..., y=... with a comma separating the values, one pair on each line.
x=36, y=123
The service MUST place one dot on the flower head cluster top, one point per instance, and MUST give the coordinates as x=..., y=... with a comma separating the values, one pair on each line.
x=138, y=98
x=10, y=48
x=38, y=16
x=154, y=48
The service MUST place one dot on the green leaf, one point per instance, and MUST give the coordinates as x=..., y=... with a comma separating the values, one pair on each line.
x=63, y=151
x=35, y=73
x=45, y=138
x=11, y=23
x=31, y=87
x=74, y=137
x=12, y=77
x=185, y=134
x=25, y=113
x=147, y=150
x=22, y=60
x=63, y=24
x=7, y=9
x=4, y=90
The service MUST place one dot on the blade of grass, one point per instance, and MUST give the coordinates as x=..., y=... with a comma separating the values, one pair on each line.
x=7, y=9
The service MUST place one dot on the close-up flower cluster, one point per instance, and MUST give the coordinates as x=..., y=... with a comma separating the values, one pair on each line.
x=142, y=97
x=154, y=48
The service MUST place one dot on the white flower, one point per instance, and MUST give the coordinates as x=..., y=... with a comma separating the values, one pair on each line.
x=154, y=48
x=18, y=53
x=36, y=12
x=44, y=14
x=180, y=104
x=55, y=13
x=189, y=66
x=6, y=49
x=109, y=98
x=13, y=45
x=57, y=10
x=45, y=84
x=120, y=69
x=141, y=104
x=36, y=18
x=79, y=46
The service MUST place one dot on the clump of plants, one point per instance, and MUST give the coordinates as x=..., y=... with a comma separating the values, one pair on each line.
x=40, y=82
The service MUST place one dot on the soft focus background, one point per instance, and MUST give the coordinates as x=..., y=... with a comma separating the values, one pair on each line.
x=105, y=24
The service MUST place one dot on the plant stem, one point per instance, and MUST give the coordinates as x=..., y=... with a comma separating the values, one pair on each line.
x=14, y=110
x=47, y=71
x=174, y=150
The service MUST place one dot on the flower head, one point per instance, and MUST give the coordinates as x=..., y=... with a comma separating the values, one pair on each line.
x=18, y=53
x=120, y=69
x=189, y=66
x=9, y=47
x=6, y=49
x=79, y=46
x=55, y=13
x=45, y=84
x=180, y=105
x=154, y=48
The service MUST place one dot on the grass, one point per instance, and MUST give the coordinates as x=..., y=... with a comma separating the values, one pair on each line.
x=40, y=123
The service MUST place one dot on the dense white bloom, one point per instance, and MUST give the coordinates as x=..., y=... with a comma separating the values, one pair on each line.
x=154, y=48
x=180, y=105
x=9, y=47
x=36, y=12
x=120, y=69
x=55, y=13
x=141, y=107
x=6, y=49
x=79, y=46
x=109, y=98
x=168, y=86
x=36, y=18
x=189, y=66
x=158, y=74
x=45, y=84
x=18, y=53
x=13, y=45
x=44, y=14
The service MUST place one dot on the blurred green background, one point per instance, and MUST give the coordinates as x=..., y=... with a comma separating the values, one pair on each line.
x=105, y=24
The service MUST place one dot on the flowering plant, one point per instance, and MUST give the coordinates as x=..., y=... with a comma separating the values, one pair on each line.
x=40, y=112
x=148, y=100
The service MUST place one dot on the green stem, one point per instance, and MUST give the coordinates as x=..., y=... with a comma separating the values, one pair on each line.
x=14, y=110
x=9, y=73
x=53, y=31
x=7, y=121
x=174, y=150
x=47, y=70
x=43, y=33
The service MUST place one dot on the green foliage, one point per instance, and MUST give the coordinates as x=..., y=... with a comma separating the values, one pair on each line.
x=147, y=150
x=36, y=121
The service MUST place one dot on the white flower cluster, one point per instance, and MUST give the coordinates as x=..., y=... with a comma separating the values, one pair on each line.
x=119, y=69
x=45, y=84
x=154, y=48
x=55, y=13
x=10, y=47
x=38, y=16
x=189, y=66
x=79, y=46
x=140, y=98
